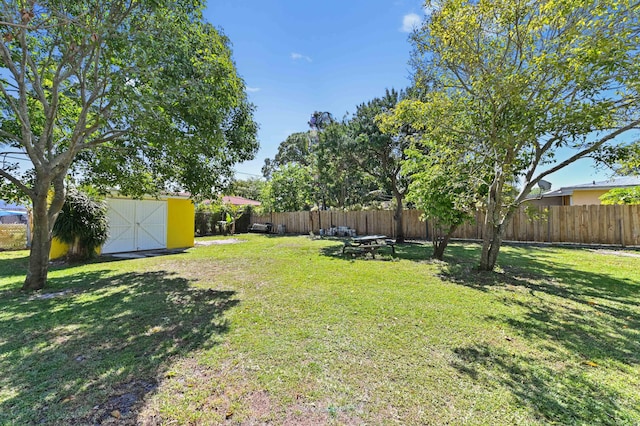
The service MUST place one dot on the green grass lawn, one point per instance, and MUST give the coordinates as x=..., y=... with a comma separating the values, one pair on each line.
x=284, y=330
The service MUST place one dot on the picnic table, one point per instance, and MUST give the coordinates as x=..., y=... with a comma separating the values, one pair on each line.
x=369, y=244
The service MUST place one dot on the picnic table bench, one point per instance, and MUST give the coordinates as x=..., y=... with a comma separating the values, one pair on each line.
x=368, y=244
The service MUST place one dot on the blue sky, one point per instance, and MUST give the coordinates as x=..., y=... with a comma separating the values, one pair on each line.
x=297, y=57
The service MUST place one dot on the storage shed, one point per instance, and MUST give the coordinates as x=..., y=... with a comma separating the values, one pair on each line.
x=147, y=224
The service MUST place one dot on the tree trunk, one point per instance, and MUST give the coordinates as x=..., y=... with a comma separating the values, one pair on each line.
x=493, y=227
x=492, y=240
x=440, y=244
x=493, y=235
x=45, y=213
x=78, y=251
x=40, y=247
x=439, y=247
x=495, y=248
x=398, y=217
x=487, y=239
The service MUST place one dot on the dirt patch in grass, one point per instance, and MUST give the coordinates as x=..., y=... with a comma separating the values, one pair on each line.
x=616, y=253
x=44, y=296
x=228, y=394
x=219, y=242
x=260, y=409
x=122, y=407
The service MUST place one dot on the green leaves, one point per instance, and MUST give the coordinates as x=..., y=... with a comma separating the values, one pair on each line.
x=515, y=87
x=327, y=152
x=290, y=189
x=629, y=195
x=141, y=96
x=146, y=79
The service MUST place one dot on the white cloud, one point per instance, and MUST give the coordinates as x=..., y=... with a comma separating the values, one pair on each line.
x=410, y=22
x=297, y=56
x=253, y=89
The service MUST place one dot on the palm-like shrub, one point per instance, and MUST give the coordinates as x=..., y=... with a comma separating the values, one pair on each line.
x=82, y=224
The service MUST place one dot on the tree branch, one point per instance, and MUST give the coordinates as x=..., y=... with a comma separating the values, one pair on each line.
x=57, y=201
x=19, y=106
x=17, y=183
x=582, y=154
x=107, y=137
x=9, y=135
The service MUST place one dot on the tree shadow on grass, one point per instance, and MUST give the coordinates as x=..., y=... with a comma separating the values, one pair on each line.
x=580, y=329
x=583, y=326
x=91, y=349
x=557, y=396
x=416, y=251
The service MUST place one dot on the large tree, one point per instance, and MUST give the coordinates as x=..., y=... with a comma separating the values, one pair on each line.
x=628, y=163
x=380, y=154
x=538, y=85
x=324, y=152
x=250, y=188
x=139, y=95
x=442, y=173
x=340, y=182
x=337, y=181
x=295, y=149
x=628, y=195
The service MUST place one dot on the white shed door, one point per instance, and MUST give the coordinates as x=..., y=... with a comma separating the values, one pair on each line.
x=136, y=225
x=151, y=224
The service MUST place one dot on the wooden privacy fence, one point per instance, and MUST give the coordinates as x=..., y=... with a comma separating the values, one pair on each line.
x=615, y=225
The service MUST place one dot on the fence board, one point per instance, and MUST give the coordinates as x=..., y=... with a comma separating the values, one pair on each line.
x=634, y=225
x=594, y=224
x=610, y=219
x=624, y=228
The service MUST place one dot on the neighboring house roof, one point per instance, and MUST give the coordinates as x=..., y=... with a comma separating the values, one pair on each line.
x=239, y=201
x=602, y=185
x=114, y=193
x=176, y=194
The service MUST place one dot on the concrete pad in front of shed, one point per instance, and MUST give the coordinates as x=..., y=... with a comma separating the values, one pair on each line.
x=128, y=256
